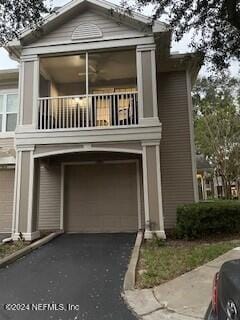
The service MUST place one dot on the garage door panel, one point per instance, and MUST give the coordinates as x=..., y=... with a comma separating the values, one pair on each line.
x=101, y=198
x=6, y=200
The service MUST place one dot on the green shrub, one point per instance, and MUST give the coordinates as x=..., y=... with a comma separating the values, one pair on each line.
x=208, y=218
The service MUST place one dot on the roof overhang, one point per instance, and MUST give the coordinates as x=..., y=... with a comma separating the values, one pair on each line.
x=191, y=62
x=61, y=14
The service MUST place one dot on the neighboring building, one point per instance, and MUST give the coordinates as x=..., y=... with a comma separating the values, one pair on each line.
x=211, y=186
x=205, y=178
x=104, y=135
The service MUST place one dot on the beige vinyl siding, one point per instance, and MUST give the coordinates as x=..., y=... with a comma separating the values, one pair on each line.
x=49, y=198
x=176, y=159
x=7, y=143
x=8, y=85
x=6, y=199
x=28, y=89
x=108, y=26
x=147, y=84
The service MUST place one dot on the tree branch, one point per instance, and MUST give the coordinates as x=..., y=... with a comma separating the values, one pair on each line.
x=233, y=15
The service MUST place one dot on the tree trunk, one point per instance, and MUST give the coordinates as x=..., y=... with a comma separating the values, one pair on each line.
x=227, y=188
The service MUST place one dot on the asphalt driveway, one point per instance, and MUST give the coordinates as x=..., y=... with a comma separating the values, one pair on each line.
x=85, y=271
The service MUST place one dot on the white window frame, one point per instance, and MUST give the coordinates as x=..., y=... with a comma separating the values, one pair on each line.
x=4, y=133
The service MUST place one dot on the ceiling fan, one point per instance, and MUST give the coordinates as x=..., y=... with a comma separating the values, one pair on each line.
x=94, y=73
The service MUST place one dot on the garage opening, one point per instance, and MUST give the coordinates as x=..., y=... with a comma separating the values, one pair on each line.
x=102, y=197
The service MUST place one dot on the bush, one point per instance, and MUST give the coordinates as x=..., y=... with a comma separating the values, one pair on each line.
x=203, y=219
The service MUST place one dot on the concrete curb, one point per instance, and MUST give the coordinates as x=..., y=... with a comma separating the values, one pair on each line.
x=178, y=299
x=20, y=253
x=130, y=277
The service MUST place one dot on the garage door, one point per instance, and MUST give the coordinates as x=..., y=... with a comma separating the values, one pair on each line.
x=6, y=200
x=101, y=198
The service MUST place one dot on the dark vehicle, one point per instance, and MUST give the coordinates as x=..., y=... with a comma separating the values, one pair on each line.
x=225, y=303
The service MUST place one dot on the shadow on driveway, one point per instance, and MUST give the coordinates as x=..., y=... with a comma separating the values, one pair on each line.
x=83, y=270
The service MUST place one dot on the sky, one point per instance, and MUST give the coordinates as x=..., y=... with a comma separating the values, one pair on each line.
x=181, y=47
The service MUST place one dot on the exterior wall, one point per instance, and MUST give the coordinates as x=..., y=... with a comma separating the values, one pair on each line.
x=28, y=82
x=176, y=152
x=9, y=80
x=107, y=25
x=49, y=197
x=147, y=85
x=6, y=199
x=6, y=143
x=9, y=83
x=146, y=81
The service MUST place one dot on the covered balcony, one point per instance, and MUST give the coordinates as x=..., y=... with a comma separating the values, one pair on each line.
x=87, y=90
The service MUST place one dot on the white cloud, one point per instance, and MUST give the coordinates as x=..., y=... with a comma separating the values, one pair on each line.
x=182, y=46
x=5, y=61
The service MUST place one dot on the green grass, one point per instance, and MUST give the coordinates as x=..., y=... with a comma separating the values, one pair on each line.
x=8, y=248
x=163, y=262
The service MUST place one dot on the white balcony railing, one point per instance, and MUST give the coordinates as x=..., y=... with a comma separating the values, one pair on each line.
x=94, y=110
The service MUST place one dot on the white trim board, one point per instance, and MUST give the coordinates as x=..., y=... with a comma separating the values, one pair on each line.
x=83, y=46
x=90, y=149
x=17, y=190
x=136, y=133
x=30, y=193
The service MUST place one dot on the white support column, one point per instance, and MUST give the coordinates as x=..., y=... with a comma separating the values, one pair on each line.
x=145, y=194
x=154, y=82
x=30, y=193
x=35, y=92
x=139, y=83
x=15, y=219
x=21, y=86
x=152, y=188
x=161, y=233
x=28, y=78
x=23, y=196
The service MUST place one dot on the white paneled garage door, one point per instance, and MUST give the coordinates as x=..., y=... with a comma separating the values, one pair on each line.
x=101, y=197
x=6, y=199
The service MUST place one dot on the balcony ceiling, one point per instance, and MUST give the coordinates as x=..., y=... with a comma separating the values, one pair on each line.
x=102, y=67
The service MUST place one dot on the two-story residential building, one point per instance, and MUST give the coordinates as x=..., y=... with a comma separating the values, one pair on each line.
x=104, y=134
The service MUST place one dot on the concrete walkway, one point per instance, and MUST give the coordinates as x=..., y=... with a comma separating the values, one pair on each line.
x=184, y=298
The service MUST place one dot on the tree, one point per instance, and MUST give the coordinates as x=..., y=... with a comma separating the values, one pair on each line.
x=217, y=126
x=215, y=25
x=20, y=14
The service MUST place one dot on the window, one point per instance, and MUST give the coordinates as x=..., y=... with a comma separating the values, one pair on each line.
x=8, y=111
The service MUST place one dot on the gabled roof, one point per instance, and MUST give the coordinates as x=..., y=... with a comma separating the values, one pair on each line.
x=105, y=6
